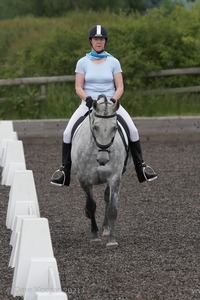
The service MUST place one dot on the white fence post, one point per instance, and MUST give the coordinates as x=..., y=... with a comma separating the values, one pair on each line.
x=6, y=130
x=6, y=134
x=17, y=226
x=43, y=277
x=23, y=189
x=34, y=242
x=3, y=147
x=50, y=296
x=14, y=160
x=14, y=241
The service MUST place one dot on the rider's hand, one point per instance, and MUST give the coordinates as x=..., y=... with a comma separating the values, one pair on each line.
x=89, y=101
x=113, y=100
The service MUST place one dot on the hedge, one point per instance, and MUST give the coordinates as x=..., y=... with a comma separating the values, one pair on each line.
x=160, y=39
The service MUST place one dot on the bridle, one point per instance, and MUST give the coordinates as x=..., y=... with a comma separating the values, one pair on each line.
x=100, y=146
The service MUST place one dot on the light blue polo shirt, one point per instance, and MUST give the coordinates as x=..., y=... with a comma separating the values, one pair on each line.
x=98, y=77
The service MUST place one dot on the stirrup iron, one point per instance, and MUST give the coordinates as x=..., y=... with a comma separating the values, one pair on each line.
x=146, y=167
x=53, y=177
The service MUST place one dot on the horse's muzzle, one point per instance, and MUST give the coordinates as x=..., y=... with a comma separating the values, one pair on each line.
x=103, y=157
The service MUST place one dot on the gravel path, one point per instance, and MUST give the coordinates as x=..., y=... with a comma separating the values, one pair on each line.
x=158, y=228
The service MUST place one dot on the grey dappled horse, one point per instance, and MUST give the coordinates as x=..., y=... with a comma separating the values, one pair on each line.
x=98, y=156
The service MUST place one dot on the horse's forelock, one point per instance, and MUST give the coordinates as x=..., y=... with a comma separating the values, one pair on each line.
x=104, y=107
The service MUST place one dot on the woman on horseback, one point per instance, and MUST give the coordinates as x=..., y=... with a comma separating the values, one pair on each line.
x=100, y=73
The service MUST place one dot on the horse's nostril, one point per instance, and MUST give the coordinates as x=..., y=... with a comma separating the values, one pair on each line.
x=102, y=162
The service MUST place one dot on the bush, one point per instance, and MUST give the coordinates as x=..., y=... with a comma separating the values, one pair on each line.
x=160, y=39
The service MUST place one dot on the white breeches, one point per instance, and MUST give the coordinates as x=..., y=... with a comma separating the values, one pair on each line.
x=83, y=109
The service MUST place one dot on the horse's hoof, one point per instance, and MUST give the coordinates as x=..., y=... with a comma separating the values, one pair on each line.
x=95, y=241
x=106, y=233
x=113, y=244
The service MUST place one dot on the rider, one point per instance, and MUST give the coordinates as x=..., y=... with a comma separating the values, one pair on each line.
x=100, y=73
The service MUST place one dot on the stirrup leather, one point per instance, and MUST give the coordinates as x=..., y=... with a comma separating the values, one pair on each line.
x=53, y=177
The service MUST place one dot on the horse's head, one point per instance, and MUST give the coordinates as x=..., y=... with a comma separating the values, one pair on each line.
x=104, y=126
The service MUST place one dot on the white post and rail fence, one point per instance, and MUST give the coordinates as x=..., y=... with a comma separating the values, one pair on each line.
x=42, y=82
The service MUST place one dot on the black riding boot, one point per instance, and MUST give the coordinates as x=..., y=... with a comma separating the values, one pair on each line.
x=140, y=166
x=65, y=169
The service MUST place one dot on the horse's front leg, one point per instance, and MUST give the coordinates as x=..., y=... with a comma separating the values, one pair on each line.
x=111, y=212
x=90, y=209
x=106, y=226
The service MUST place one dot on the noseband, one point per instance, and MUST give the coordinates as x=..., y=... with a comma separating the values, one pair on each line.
x=103, y=147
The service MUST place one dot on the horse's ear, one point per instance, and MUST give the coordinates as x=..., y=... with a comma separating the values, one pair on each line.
x=94, y=104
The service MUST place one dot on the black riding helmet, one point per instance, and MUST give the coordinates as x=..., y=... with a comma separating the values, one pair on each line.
x=98, y=31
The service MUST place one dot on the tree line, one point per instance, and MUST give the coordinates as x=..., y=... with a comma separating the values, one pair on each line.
x=53, y=8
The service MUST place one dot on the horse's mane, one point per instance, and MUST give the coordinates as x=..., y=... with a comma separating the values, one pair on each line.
x=106, y=106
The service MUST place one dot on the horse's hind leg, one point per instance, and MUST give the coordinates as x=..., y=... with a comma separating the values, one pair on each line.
x=90, y=210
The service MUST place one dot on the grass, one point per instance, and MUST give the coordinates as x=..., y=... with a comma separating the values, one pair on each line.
x=61, y=102
x=47, y=47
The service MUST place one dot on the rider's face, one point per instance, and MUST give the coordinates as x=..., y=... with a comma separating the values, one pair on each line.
x=98, y=43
